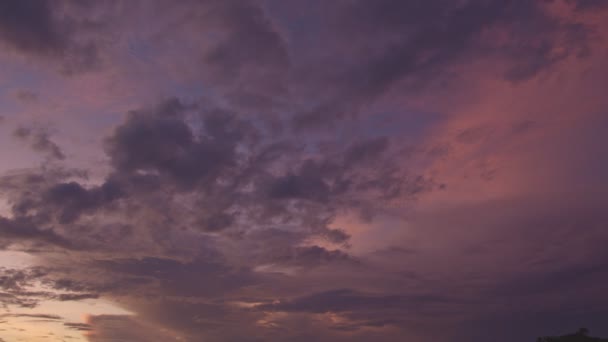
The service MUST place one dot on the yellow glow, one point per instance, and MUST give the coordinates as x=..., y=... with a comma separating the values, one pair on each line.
x=15, y=259
x=76, y=311
x=28, y=329
x=15, y=328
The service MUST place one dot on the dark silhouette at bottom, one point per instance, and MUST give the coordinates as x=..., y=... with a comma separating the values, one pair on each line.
x=582, y=335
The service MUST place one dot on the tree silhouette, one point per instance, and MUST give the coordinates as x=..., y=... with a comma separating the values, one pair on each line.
x=583, y=332
x=582, y=335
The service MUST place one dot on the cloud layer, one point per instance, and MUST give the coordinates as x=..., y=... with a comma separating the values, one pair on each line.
x=280, y=171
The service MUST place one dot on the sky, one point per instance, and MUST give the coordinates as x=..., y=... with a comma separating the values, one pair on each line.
x=281, y=170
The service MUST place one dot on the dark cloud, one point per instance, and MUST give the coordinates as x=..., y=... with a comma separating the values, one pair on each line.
x=23, y=230
x=588, y=4
x=71, y=285
x=196, y=189
x=336, y=235
x=310, y=256
x=126, y=328
x=224, y=160
x=70, y=199
x=173, y=159
x=16, y=285
x=162, y=142
x=348, y=300
x=306, y=185
x=209, y=221
x=44, y=206
x=29, y=26
x=17, y=280
x=247, y=59
x=75, y=296
x=397, y=47
x=195, y=278
x=252, y=49
x=78, y=326
x=366, y=151
x=40, y=141
x=26, y=96
x=315, y=255
x=43, y=316
x=43, y=29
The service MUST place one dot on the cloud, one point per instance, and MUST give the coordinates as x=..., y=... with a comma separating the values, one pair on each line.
x=42, y=316
x=306, y=185
x=16, y=280
x=75, y=297
x=39, y=141
x=115, y=328
x=345, y=300
x=24, y=231
x=71, y=199
x=588, y=4
x=196, y=278
x=184, y=156
x=39, y=29
x=252, y=49
x=312, y=256
x=417, y=46
x=166, y=161
x=26, y=96
x=30, y=27
x=335, y=171
x=78, y=326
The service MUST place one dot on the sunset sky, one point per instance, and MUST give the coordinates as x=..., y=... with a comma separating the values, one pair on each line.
x=314, y=170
